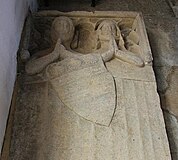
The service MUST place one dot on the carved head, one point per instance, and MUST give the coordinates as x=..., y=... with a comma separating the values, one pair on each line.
x=63, y=28
x=107, y=28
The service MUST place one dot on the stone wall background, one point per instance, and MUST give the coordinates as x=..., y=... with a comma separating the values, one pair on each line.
x=12, y=17
x=164, y=43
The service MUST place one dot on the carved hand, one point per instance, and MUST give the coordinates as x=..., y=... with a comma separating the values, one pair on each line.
x=35, y=66
x=128, y=56
x=109, y=54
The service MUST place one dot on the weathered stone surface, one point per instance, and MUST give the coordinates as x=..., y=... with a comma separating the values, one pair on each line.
x=136, y=132
x=100, y=106
x=87, y=88
x=31, y=103
x=109, y=40
x=163, y=38
x=171, y=100
x=24, y=55
x=129, y=71
x=172, y=131
x=162, y=73
x=174, y=5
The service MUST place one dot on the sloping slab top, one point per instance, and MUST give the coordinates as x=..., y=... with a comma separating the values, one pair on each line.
x=88, y=110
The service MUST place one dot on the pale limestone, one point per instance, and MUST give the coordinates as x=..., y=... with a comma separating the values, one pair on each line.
x=84, y=84
x=102, y=104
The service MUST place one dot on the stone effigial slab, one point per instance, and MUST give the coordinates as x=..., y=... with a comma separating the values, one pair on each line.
x=89, y=107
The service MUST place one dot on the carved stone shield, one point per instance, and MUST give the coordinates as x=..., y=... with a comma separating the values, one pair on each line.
x=86, y=87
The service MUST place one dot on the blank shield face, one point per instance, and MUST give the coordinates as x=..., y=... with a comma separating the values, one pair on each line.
x=87, y=88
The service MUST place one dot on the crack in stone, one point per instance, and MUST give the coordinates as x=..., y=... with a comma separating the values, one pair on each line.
x=115, y=101
x=115, y=94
